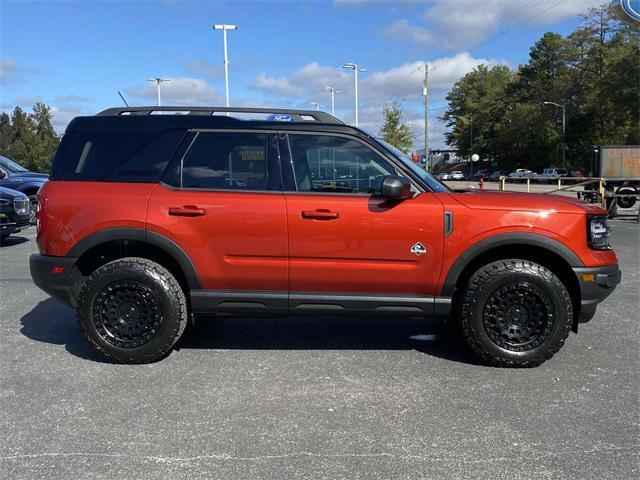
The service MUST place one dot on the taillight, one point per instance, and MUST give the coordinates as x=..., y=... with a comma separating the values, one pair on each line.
x=41, y=215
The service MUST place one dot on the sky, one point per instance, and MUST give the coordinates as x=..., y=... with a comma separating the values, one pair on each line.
x=76, y=55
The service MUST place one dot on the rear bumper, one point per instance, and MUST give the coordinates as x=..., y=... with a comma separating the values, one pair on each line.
x=57, y=285
x=596, y=284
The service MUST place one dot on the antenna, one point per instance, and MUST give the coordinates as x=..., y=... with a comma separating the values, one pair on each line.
x=125, y=102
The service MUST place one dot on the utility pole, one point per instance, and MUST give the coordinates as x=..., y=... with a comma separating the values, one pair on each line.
x=425, y=94
x=158, y=81
x=224, y=28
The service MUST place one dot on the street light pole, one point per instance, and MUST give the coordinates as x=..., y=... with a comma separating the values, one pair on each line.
x=356, y=70
x=224, y=28
x=333, y=92
x=158, y=81
x=317, y=105
x=564, y=124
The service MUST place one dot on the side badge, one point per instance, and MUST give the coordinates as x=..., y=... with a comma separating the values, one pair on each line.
x=418, y=249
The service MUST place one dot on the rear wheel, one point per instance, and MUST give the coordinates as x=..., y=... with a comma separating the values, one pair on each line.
x=515, y=313
x=132, y=310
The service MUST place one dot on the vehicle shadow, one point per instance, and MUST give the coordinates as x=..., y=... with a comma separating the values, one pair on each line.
x=12, y=240
x=52, y=322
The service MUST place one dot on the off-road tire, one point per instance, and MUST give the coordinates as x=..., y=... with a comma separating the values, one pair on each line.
x=135, y=285
x=626, y=202
x=510, y=287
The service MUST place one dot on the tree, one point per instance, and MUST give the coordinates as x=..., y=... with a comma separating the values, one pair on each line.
x=394, y=130
x=29, y=139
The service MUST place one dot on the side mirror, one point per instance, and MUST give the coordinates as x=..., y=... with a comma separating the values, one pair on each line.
x=395, y=188
x=3, y=174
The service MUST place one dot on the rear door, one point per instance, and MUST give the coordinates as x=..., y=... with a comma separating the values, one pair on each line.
x=222, y=203
x=344, y=239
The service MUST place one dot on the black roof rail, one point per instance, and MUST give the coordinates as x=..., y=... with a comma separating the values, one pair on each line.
x=297, y=115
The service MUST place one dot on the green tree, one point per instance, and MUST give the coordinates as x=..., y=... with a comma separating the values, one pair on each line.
x=395, y=131
x=29, y=139
x=477, y=102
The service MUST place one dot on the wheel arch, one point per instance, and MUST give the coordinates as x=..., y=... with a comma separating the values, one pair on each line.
x=106, y=245
x=543, y=250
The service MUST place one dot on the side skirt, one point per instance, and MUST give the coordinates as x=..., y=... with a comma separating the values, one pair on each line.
x=269, y=302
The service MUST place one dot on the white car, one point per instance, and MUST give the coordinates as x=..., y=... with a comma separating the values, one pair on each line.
x=521, y=173
x=456, y=175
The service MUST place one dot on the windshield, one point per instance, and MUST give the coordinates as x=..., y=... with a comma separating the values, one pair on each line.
x=12, y=166
x=420, y=172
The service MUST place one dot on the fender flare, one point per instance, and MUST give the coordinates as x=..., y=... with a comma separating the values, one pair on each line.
x=140, y=235
x=23, y=187
x=505, y=239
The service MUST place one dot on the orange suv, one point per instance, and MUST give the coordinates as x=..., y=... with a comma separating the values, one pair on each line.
x=150, y=218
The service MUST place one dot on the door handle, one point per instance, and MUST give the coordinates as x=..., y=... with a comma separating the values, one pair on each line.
x=320, y=214
x=187, y=211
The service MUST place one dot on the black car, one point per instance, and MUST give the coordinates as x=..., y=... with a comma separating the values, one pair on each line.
x=15, y=212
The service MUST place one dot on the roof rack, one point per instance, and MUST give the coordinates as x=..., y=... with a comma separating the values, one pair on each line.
x=304, y=116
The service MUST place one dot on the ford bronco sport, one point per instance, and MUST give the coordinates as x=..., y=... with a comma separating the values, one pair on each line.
x=150, y=218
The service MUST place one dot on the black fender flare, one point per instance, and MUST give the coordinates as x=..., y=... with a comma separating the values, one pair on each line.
x=505, y=239
x=144, y=236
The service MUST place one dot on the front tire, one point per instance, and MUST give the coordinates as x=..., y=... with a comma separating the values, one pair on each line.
x=132, y=310
x=515, y=313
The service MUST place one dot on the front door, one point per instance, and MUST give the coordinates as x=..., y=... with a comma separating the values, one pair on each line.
x=346, y=240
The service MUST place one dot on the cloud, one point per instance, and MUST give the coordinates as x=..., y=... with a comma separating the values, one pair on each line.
x=310, y=79
x=205, y=69
x=72, y=99
x=9, y=71
x=402, y=30
x=61, y=116
x=179, y=91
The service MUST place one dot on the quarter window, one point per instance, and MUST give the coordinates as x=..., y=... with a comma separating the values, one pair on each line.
x=324, y=163
x=234, y=161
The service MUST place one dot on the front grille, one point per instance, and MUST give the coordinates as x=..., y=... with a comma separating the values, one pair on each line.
x=21, y=206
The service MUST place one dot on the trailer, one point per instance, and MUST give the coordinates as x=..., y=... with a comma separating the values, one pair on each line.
x=619, y=167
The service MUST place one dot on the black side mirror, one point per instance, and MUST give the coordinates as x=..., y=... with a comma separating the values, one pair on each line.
x=3, y=174
x=395, y=188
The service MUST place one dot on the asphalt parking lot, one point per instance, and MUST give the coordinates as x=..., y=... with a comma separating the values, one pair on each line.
x=330, y=397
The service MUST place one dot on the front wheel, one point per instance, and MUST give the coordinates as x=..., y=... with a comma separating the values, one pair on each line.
x=515, y=313
x=132, y=310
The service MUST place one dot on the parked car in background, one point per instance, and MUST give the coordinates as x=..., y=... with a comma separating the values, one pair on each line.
x=456, y=175
x=521, y=173
x=480, y=174
x=550, y=174
x=444, y=176
x=495, y=176
x=16, y=177
x=15, y=212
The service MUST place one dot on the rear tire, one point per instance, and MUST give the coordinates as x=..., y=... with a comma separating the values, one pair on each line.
x=132, y=310
x=515, y=313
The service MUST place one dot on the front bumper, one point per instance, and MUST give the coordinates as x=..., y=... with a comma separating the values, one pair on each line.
x=58, y=285
x=596, y=284
x=14, y=224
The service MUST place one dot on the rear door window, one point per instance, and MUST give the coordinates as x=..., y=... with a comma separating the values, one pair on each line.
x=230, y=161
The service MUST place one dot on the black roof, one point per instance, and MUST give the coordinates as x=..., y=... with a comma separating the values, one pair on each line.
x=161, y=118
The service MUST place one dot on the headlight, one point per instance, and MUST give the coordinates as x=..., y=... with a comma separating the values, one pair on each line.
x=598, y=233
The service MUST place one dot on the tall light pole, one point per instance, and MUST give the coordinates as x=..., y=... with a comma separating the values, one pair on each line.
x=158, y=81
x=333, y=92
x=356, y=70
x=562, y=107
x=317, y=105
x=224, y=27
